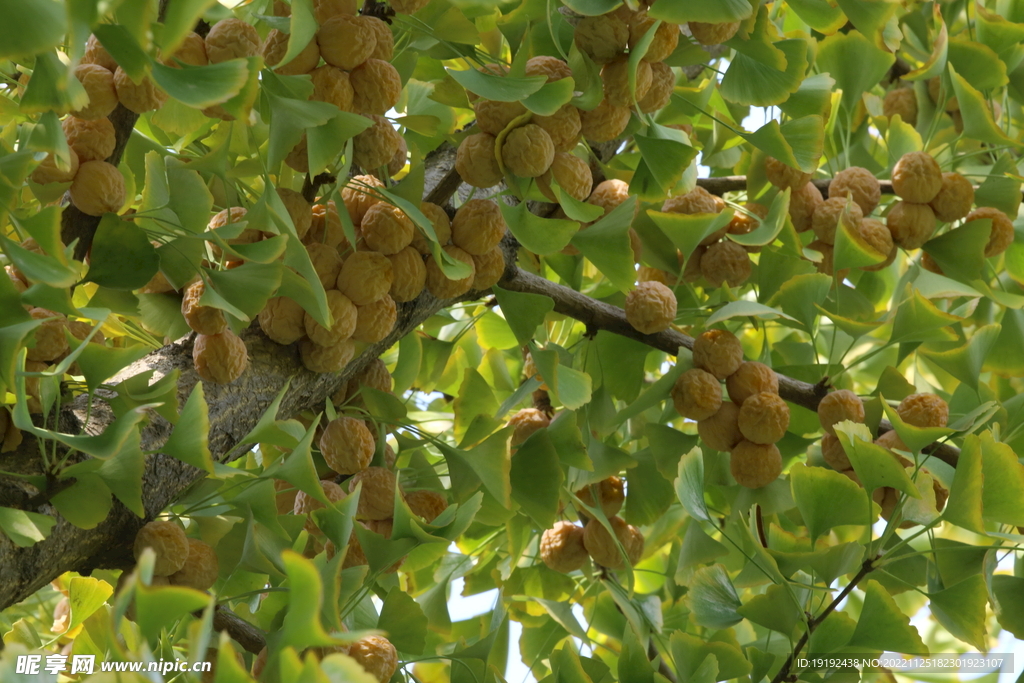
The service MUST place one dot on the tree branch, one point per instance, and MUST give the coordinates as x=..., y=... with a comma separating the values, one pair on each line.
x=244, y=633
x=600, y=315
x=738, y=183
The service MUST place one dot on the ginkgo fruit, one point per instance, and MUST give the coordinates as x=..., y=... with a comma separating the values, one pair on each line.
x=220, y=358
x=562, y=549
x=755, y=465
x=650, y=307
x=718, y=352
x=838, y=406
x=763, y=418
x=168, y=541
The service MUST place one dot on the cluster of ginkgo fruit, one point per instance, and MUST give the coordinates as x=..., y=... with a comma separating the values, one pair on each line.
x=748, y=425
x=917, y=410
x=391, y=263
x=755, y=418
x=566, y=546
x=530, y=145
x=97, y=187
x=927, y=197
x=349, y=63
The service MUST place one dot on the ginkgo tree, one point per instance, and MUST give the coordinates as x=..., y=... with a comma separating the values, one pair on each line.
x=693, y=327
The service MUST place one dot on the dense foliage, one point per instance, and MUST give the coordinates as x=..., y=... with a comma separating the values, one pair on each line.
x=313, y=309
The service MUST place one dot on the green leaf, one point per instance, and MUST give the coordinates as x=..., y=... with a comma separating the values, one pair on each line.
x=854, y=62
x=820, y=15
x=827, y=499
x=475, y=399
x=202, y=86
x=622, y=365
x=978, y=121
x=688, y=230
x=159, y=607
x=690, y=485
x=121, y=255
x=302, y=29
x=536, y=477
x=125, y=49
x=570, y=386
x=965, y=362
x=666, y=158
x=712, y=598
x=189, y=442
x=797, y=143
x=301, y=627
x=566, y=437
x=918, y=319
x=882, y=626
x=326, y=142
x=25, y=528
x=935, y=64
x=179, y=20
x=977, y=63
x=488, y=462
x=871, y=19
x=964, y=506
x=1007, y=595
x=499, y=88
x=773, y=609
x=40, y=267
x=1001, y=188
x=523, y=311
x=697, y=548
x=85, y=503
x=960, y=252
x=86, y=595
x=242, y=291
x=633, y=664
x=551, y=97
x=745, y=309
x=711, y=13
x=852, y=250
x=801, y=295
x=288, y=120
x=606, y=244
x=37, y=26
x=542, y=236
x=873, y=464
x=1003, y=480
x=753, y=82
x=566, y=666
x=99, y=363
x=771, y=226
x=960, y=609
x=812, y=98
x=402, y=619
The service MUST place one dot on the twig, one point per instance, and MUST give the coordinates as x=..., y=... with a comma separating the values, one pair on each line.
x=311, y=186
x=652, y=654
x=783, y=674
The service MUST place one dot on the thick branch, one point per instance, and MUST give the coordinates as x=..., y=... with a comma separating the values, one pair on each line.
x=602, y=316
x=244, y=633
